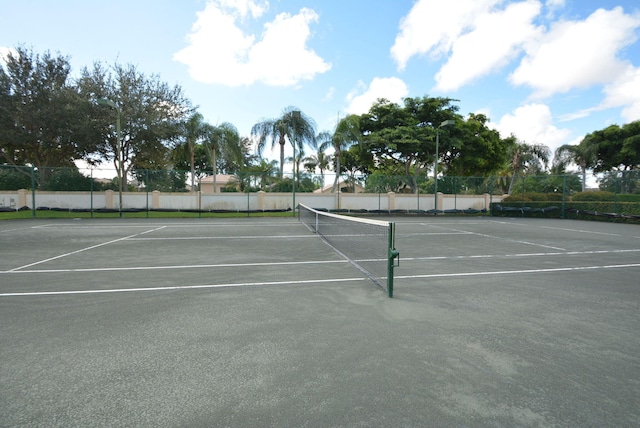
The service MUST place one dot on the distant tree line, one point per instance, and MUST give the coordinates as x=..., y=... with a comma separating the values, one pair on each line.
x=151, y=131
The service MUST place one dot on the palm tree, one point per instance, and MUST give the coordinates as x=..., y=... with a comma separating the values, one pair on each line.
x=320, y=161
x=292, y=123
x=194, y=129
x=223, y=139
x=584, y=155
x=347, y=133
x=525, y=157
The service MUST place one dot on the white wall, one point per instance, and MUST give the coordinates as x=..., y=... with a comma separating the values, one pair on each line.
x=241, y=201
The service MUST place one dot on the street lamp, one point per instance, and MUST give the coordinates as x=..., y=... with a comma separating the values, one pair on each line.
x=119, y=154
x=295, y=115
x=435, y=168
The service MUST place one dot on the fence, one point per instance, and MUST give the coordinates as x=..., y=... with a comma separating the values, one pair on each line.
x=71, y=191
x=616, y=199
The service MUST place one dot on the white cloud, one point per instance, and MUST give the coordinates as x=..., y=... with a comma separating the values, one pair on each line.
x=533, y=124
x=625, y=92
x=243, y=8
x=391, y=88
x=220, y=52
x=486, y=48
x=329, y=95
x=434, y=26
x=577, y=54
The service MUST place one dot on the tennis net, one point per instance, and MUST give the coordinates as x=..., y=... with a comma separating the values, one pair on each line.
x=367, y=244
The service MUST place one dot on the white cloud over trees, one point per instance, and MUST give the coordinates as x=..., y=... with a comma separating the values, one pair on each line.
x=221, y=51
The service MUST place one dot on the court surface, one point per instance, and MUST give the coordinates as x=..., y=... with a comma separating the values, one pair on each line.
x=257, y=322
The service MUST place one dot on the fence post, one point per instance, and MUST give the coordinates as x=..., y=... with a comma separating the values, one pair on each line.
x=615, y=196
x=564, y=193
x=33, y=192
x=146, y=181
x=91, y=193
x=522, y=206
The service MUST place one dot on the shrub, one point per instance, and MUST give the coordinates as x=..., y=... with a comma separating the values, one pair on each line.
x=593, y=196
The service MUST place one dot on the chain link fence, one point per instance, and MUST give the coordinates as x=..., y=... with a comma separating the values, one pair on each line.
x=46, y=192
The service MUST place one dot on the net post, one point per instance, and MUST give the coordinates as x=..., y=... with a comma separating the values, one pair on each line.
x=393, y=254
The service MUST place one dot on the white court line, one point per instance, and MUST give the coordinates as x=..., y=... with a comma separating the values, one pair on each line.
x=580, y=231
x=82, y=250
x=180, y=287
x=496, y=256
x=517, y=272
x=221, y=265
x=316, y=262
x=505, y=239
x=188, y=238
x=165, y=225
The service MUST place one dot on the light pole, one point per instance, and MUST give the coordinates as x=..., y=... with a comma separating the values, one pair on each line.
x=295, y=115
x=119, y=154
x=435, y=168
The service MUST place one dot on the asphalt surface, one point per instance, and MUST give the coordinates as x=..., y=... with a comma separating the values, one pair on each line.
x=255, y=322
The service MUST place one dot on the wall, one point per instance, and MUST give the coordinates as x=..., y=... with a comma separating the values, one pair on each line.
x=259, y=201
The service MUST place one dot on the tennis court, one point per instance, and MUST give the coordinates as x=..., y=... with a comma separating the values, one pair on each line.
x=258, y=322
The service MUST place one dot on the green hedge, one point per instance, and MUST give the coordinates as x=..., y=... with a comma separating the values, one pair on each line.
x=534, y=197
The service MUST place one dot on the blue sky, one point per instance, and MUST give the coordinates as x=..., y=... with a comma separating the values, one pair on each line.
x=548, y=71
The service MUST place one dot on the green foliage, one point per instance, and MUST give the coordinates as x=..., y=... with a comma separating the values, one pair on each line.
x=15, y=178
x=620, y=182
x=402, y=139
x=69, y=179
x=381, y=183
x=534, y=197
x=305, y=185
x=593, y=196
x=547, y=184
x=616, y=147
x=162, y=180
x=293, y=126
x=472, y=148
x=39, y=111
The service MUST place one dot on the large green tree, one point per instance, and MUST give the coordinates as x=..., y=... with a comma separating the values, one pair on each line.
x=150, y=110
x=292, y=123
x=617, y=147
x=472, y=148
x=39, y=111
x=402, y=138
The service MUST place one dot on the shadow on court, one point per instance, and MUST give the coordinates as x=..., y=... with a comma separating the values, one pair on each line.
x=256, y=322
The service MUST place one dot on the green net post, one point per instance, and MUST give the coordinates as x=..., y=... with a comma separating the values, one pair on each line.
x=393, y=254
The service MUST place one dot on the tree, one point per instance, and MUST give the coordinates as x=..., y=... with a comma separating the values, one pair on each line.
x=525, y=158
x=319, y=161
x=617, y=148
x=194, y=130
x=282, y=129
x=346, y=134
x=582, y=154
x=225, y=140
x=356, y=160
x=262, y=173
x=402, y=138
x=151, y=115
x=472, y=148
x=39, y=111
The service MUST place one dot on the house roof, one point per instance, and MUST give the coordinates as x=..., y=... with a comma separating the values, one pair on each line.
x=220, y=178
x=342, y=183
